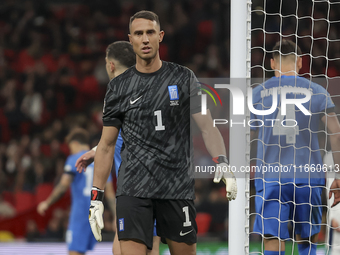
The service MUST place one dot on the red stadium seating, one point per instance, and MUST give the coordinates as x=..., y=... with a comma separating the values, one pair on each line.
x=8, y=197
x=24, y=201
x=42, y=192
x=25, y=204
x=203, y=221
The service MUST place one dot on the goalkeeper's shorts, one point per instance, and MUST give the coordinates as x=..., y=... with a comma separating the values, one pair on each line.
x=278, y=205
x=175, y=219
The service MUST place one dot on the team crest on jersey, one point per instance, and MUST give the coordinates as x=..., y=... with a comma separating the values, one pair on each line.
x=121, y=224
x=173, y=94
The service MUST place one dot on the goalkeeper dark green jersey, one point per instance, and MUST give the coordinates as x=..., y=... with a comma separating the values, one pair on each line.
x=153, y=112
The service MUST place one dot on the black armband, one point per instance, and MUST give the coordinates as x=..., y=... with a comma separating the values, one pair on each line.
x=220, y=159
x=97, y=194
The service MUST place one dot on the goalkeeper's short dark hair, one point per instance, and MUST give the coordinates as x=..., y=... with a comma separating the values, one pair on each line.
x=78, y=134
x=121, y=51
x=286, y=48
x=149, y=15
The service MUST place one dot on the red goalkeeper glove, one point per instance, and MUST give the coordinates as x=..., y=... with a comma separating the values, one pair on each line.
x=96, y=213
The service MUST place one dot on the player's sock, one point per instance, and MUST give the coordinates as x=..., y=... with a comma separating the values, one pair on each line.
x=307, y=249
x=274, y=253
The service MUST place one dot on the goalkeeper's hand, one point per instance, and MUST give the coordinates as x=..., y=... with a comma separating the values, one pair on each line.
x=223, y=172
x=96, y=213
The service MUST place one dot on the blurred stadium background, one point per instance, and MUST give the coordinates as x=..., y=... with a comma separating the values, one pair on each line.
x=52, y=78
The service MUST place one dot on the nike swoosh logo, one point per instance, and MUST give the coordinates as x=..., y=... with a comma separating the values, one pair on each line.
x=134, y=101
x=183, y=234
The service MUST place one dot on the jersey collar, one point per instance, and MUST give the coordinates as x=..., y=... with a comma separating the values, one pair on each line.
x=150, y=74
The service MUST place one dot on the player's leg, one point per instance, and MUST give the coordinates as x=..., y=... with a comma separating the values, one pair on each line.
x=80, y=243
x=154, y=251
x=155, y=246
x=272, y=216
x=177, y=225
x=177, y=248
x=307, y=218
x=75, y=253
x=132, y=247
x=307, y=245
x=116, y=246
x=134, y=224
x=79, y=237
x=273, y=246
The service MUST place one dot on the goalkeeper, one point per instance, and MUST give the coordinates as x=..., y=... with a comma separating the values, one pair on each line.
x=294, y=196
x=119, y=57
x=150, y=103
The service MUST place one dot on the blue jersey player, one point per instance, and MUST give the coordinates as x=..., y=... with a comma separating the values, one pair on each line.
x=79, y=235
x=119, y=57
x=289, y=171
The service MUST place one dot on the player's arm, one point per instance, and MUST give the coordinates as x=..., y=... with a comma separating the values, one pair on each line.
x=85, y=160
x=211, y=135
x=102, y=168
x=104, y=155
x=57, y=193
x=333, y=126
x=215, y=145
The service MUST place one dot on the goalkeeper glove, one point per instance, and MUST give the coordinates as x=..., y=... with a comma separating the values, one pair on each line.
x=96, y=213
x=223, y=172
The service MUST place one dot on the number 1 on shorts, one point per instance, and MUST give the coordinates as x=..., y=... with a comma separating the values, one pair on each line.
x=187, y=222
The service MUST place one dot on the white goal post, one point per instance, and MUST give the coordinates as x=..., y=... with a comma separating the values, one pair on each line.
x=240, y=42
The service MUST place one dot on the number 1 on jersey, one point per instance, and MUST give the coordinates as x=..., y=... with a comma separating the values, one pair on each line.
x=159, y=126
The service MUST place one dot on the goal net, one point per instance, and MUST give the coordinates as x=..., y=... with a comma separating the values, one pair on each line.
x=293, y=202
